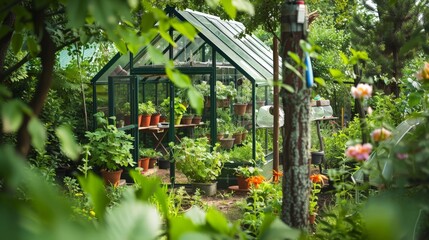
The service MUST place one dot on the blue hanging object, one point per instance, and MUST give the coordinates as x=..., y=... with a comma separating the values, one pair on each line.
x=308, y=71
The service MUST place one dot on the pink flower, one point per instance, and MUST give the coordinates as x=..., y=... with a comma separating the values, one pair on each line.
x=359, y=152
x=362, y=90
x=402, y=156
x=380, y=134
x=424, y=73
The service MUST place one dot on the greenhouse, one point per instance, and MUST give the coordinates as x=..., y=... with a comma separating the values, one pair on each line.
x=227, y=69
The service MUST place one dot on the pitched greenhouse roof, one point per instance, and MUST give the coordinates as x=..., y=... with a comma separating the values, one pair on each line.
x=248, y=54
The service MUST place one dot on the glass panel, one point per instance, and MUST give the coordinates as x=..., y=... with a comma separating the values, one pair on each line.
x=122, y=63
x=121, y=101
x=102, y=99
x=212, y=36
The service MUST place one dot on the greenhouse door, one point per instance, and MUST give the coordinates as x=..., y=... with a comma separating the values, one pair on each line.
x=123, y=104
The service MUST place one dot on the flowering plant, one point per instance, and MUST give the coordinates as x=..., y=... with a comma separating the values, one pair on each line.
x=317, y=180
x=255, y=180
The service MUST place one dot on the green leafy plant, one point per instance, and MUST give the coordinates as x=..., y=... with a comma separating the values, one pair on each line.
x=203, y=88
x=194, y=159
x=110, y=147
x=179, y=108
x=244, y=153
x=147, y=108
x=149, y=152
x=247, y=171
x=125, y=108
x=225, y=91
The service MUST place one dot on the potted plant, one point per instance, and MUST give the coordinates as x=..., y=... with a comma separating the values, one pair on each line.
x=225, y=93
x=146, y=110
x=248, y=176
x=152, y=154
x=179, y=109
x=202, y=167
x=237, y=135
x=240, y=106
x=110, y=149
x=227, y=141
x=187, y=118
x=156, y=116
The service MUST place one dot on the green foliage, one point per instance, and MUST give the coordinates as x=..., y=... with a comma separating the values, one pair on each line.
x=147, y=108
x=179, y=108
x=110, y=147
x=262, y=201
x=243, y=153
x=342, y=221
x=225, y=91
x=194, y=159
x=247, y=171
x=149, y=152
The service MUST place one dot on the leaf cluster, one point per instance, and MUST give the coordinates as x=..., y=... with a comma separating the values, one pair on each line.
x=110, y=147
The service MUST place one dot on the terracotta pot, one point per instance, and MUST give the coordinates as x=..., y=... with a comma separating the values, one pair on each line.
x=238, y=138
x=219, y=136
x=162, y=118
x=243, y=136
x=227, y=143
x=240, y=109
x=312, y=218
x=242, y=183
x=152, y=162
x=111, y=177
x=154, y=120
x=139, y=120
x=186, y=120
x=145, y=122
x=144, y=163
x=196, y=119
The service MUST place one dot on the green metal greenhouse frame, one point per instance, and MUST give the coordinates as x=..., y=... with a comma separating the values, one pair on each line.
x=247, y=54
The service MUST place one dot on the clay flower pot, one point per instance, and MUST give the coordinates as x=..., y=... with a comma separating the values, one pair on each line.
x=154, y=120
x=144, y=163
x=145, y=122
x=238, y=138
x=186, y=120
x=227, y=143
x=243, y=183
x=196, y=119
x=111, y=177
x=240, y=109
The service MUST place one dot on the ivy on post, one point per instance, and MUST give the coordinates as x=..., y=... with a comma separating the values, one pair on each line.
x=296, y=105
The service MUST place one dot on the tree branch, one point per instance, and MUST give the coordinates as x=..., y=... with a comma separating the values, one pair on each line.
x=47, y=56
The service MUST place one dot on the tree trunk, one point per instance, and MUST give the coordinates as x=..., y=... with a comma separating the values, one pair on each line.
x=296, y=105
x=47, y=56
x=9, y=21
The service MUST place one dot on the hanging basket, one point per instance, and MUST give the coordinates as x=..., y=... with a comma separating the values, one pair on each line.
x=317, y=157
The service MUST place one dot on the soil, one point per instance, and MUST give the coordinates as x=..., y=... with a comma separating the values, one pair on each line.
x=227, y=201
